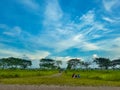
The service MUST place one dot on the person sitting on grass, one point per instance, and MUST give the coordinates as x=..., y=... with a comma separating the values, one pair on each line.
x=75, y=75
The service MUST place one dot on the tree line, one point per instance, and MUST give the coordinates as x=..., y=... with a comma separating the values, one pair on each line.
x=103, y=63
x=12, y=62
x=47, y=63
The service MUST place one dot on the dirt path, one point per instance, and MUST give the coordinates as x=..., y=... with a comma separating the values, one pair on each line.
x=45, y=87
x=57, y=75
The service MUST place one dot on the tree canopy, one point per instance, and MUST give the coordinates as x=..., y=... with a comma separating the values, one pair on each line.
x=12, y=62
x=73, y=63
x=102, y=62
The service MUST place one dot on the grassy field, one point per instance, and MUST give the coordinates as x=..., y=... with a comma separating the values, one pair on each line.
x=52, y=77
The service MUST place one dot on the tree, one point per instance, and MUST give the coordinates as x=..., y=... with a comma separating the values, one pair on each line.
x=115, y=63
x=3, y=63
x=47, y=63
x=73, y=63
x=12, y=62
x=58, y=63
x=102, y=62
x=86, y=64
x=25, y=63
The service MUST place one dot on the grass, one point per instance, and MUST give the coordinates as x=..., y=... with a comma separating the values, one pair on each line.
x=38, y=77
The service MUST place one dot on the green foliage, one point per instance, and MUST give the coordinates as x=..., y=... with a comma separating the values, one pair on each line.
x=87, y=77
x=73, y=63
x=102, y=62
x=115, y=63
x=47, y=63
x=12, y=62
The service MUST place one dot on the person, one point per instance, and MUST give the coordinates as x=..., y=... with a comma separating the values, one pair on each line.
x=78, y=76
x=73, y=75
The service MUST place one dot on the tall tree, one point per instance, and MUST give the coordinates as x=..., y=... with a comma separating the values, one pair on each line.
x=58, y=63
x=12, y=62
x=73, y=63
x=102, y=62
x=47, y=63
x=86, y=64
x=115, y=63
x=25, y=63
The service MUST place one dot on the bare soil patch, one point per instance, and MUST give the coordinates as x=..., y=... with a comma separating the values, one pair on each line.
x=52, y=87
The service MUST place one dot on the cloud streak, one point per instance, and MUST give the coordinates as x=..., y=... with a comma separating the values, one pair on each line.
x=9, y=51
x=75, y=34
x=110, y=4
x=31, y=4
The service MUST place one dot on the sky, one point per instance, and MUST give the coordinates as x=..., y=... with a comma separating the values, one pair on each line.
x=60, y=29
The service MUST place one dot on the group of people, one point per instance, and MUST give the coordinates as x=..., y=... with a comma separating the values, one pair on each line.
x=75, y=75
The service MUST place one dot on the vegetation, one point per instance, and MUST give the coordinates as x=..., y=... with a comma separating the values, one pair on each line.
x=49, y=77
x=12, y=62
x=47, y=63
x=16, y=71
x=102, y=62
x=73, y=63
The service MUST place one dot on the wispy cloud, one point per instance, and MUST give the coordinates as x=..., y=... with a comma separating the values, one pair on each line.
x=53, y=11
x=109, y=19
x=31, y=4
x=110, y=4
x=112, y=48
x=86, y=32
x=78, y=34
x=15, y=31
x=9, y=51
x=24, y=38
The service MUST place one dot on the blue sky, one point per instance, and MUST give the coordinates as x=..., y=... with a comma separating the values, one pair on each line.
x=60, y=29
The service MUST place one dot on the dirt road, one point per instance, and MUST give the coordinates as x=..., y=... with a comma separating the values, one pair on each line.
x=45, y=87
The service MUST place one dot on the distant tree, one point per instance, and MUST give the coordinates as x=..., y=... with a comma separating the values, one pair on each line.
x=58, y=63
x=47, y=63
x=73, y=63
x=3, y=63
x=115, y=63
x=86, y=64
x=25, y=63
x=12, y=62
x=102, y=62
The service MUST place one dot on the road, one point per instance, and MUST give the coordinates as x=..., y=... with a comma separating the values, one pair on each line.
x=52, y=87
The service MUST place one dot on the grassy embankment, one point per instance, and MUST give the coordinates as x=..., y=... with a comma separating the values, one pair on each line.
x=38, y=77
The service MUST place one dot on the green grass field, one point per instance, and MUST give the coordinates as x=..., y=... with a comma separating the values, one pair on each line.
x=49, y=77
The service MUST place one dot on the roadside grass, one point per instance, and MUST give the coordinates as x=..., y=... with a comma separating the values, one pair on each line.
x=24, y=73
x=39, y=77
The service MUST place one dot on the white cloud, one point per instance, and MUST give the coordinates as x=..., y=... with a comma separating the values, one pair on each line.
x=61, y=36
x=64, y=59
x=109, y=4
x=13, y=52
x=111, y=46
x=89, y=46
x=53, y=11
x=89, y=17
x=68, y=35
x=52, y=15
x=109, y=19
x=95, y=56
x=38, y=55
x=31, y=4
x=15, y=31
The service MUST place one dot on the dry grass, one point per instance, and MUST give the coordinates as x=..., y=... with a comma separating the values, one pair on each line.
x=88, y=78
